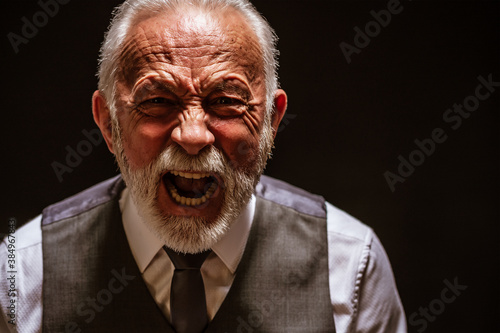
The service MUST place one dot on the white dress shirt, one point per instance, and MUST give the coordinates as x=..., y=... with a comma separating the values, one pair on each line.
x=362, y=287
x=157, y=269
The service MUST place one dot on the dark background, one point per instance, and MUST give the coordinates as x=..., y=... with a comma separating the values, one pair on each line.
x=346, y=126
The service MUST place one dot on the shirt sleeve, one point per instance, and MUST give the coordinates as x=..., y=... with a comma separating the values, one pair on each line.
x=362, y=286
x=379, y=305
x=21, y=280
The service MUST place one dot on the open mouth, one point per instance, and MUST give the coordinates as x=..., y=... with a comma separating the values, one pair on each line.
x=190, y=188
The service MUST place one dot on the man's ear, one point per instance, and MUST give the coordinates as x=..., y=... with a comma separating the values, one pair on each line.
x=102, y=118
x=280, y=104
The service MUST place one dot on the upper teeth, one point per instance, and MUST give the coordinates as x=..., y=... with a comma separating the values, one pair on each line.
x=191, y=201
x=190, y=175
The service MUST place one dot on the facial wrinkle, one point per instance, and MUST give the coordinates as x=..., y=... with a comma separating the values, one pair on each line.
x=138, y=55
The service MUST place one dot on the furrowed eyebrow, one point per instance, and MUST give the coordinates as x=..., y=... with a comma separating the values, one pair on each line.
x=233, y=88
x=152, y=86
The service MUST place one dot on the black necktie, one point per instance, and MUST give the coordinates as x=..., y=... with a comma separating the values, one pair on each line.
x=188, y=307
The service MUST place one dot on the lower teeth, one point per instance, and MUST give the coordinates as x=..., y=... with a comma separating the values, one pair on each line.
x=192, y=201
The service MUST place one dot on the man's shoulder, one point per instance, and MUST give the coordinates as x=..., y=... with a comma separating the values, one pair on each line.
x=340, y=223
x=83, y=201
x=290, y=196
x=343, y=225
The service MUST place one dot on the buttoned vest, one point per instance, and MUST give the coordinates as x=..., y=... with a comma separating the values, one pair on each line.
x=91, y=282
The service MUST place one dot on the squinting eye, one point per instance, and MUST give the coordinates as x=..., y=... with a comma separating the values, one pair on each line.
x=158, y=100
x=157, y=107
x=225, y=106
x=224, y=101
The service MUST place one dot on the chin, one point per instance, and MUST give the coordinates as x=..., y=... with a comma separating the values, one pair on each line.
x=189, y=202
x=190, y=229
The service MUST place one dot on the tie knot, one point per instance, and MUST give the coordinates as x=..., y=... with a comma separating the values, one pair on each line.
x=187, y=260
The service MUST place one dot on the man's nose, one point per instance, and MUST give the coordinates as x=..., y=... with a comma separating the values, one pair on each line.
x=192, y=134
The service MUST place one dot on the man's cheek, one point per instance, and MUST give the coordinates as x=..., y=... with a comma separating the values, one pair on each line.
x=140, y=151
x=244, y=154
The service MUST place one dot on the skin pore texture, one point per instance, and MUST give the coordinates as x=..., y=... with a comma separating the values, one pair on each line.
x=191, y=132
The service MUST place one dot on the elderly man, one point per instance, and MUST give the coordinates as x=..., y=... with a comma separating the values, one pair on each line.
x=190, y=237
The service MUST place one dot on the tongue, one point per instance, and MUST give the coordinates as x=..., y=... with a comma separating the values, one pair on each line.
x=192, y=187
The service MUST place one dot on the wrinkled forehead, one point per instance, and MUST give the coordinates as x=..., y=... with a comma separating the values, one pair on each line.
x=190, y=37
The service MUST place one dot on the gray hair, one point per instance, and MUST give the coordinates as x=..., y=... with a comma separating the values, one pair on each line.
x=132, y=11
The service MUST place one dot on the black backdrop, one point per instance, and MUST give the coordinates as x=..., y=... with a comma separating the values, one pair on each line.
x=347, y=125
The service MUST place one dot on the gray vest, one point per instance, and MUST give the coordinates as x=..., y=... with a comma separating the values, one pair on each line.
x=91, y=282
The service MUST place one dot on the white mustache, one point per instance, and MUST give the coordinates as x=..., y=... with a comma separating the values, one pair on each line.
x=210, y=160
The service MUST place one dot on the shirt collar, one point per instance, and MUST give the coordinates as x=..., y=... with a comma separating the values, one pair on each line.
x=144, y=243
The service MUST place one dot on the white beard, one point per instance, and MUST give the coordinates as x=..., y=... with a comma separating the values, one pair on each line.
x=191, y=234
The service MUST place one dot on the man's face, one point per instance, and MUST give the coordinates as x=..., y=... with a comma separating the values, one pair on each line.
x=191, y=102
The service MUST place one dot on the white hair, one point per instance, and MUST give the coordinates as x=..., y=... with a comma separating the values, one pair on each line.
x=131, y=12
